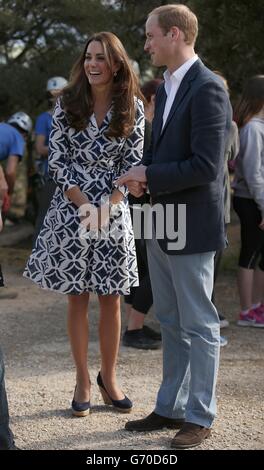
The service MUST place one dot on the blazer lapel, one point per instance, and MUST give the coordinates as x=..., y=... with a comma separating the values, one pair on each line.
x=160, y=105
x=184, y=88
x=182, y=91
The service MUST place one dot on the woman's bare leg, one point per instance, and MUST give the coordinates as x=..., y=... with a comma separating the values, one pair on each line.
x=258, y=286
x=78, y=334
x=245, y=287
x=109, y=333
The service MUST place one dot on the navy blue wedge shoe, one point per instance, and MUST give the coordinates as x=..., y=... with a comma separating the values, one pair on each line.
x=80, y=409
x=125, y=405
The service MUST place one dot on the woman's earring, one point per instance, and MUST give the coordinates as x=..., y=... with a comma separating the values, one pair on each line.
x=115, y=74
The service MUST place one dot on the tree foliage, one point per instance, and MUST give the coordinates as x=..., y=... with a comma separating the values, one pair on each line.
x=129, y=24
x=231, y=34
x=42, y=38
x=231, y=37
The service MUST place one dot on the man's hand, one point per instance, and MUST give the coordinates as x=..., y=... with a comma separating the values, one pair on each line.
x=3, y=185
x=135, y=180
x=6, y=203
x=135, y=188
x=4, y=197
x=136, y=173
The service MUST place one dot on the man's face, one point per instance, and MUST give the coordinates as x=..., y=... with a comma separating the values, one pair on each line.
x=157, y=43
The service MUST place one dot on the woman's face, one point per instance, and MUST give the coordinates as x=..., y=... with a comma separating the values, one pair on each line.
x=96, y=67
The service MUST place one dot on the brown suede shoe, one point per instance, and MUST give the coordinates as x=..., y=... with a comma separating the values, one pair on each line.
x=190, y=435
x=153, y=422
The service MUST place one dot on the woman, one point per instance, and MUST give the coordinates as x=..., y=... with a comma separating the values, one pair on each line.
x=249, y=202
x=97, y=134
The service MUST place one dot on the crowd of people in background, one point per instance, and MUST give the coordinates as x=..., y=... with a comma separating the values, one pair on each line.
x=104, y=148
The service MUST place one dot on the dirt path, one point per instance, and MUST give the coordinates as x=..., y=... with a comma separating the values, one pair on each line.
x=40, y=375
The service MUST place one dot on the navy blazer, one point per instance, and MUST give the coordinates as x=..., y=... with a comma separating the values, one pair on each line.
x=186, y=161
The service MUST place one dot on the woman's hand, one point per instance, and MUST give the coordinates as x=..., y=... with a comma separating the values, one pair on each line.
x=89, y=216
x=94, y=218
x=104, y=215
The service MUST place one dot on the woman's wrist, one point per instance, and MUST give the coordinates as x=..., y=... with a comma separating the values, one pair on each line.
x=81, y=202
x=79, y=199
x=116, y=197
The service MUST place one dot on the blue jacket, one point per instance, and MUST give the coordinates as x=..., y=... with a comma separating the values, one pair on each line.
x=186, y=159
x=11, y=142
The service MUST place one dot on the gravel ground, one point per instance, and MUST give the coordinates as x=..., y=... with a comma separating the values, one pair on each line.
x=40, y=376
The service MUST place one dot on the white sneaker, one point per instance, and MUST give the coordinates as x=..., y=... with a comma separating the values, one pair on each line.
x=223, y=341
x=224, y=323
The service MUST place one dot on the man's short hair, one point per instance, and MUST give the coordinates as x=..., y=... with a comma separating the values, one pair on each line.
x=180, y=16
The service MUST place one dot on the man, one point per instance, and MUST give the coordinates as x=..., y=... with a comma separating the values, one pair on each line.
x=43, y=125
x=6, y=436
x=184, y=167
x=12, y=146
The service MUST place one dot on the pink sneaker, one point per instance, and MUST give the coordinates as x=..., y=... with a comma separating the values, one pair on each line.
x=252, y=318
x=259, y=320
x=260, y=310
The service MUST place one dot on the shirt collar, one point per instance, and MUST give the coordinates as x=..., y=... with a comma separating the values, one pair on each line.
x=177, y=76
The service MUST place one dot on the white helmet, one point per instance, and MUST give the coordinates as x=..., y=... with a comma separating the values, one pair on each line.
x=56, y=83
x=22, y=120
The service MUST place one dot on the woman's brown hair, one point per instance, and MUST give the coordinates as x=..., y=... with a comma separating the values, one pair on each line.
x=77, y=97
x=251, y=101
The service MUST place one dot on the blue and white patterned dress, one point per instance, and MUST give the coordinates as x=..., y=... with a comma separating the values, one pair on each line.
x=62, y=260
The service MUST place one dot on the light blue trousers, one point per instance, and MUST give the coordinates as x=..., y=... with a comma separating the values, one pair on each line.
x=182, y=288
